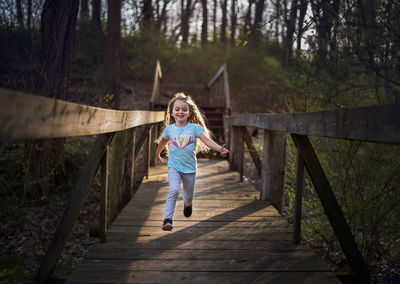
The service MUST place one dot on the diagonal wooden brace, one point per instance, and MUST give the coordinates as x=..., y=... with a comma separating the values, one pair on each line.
x=331, y=206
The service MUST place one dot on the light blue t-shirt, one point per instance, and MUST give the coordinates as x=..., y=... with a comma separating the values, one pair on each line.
x=182, y=146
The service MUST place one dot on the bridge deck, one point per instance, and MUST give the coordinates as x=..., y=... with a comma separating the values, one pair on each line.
x=231, y=238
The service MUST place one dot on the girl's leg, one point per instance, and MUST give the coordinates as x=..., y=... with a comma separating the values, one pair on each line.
x=174, y=180
x=188, y=188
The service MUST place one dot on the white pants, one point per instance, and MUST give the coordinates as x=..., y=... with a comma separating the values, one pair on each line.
x=174, y=179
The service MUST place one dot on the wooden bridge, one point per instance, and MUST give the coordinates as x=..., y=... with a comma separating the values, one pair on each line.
x=236, y=234
x=232, y=237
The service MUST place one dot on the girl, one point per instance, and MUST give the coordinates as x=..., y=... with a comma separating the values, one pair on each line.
x=184, y=123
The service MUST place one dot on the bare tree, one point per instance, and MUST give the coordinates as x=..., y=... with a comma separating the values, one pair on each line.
x=96, y=12
x=147, y=14
x=233, y=21
x=20, y=15
x=224, y=7
x=186, y=8
x=204, y=25
x=215, y=20
x=84, y=9
x=111, y=71
x=288, y=39
x=44, y=159
x=258, y=19
x=300, y=25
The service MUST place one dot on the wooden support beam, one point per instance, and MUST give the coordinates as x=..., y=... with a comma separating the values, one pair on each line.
x=253, y=151
x=266, y=175
x=104, y=196
x=78, y=198
x=273, y=167
x=298, y=199
x=237, y=150
x=331, y=206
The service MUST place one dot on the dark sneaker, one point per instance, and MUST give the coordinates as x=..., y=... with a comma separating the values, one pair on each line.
x=167, y=225
x=187, y=211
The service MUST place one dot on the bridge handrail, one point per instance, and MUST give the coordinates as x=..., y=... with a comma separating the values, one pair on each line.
x=27, y=116
x=221, y=81
x=155, y=93
x=379, y=124
x=373, y=124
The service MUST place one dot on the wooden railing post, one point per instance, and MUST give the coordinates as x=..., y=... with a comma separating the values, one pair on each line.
x=273, y=167
x=298, y=199
x=104, y=196
x=237, y=150
x=133, y=160
x=266, y=175
x=147, y=152
x=331, y=206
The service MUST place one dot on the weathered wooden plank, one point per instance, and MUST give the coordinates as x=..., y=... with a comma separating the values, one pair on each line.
x=84, y=276
x=187, y=236
x=103, y=216
x=162, y=244
x=228, y=231
x=237, y=150
x=266, y=171
x=374, y=123
x=273, y=221
x=330, y=205
x=26, y=116
x=260, y=264
x=298, y=199
x=178, y=254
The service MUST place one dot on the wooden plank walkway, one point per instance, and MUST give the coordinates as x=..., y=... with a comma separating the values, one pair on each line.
x=232, y=237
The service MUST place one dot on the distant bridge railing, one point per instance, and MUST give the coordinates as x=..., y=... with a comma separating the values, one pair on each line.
x=25, y=116
x=379, y=124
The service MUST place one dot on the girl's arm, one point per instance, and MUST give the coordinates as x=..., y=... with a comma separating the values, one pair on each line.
x=211, y=144
x=160, y=147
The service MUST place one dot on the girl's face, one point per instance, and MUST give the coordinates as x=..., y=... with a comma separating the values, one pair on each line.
x=180, y=112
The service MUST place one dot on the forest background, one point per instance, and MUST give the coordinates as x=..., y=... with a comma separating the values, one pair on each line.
x=282, y=56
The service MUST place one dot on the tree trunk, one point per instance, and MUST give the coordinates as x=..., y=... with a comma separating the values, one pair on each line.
x=84, y=9
x=20, y=15
x=258, y=19
x=288, y=40
x=215, y=21
x=233, y=21
x=247, y=19
x=29, y=13
x=111, y=72
x=147, y=12
x=204, y=25
x=96, y=12
x=44, y=159
x=300, y=31
x=224, y=6
x=185, y=16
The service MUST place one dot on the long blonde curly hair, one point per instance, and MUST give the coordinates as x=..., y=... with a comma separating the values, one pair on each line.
x=195, y=116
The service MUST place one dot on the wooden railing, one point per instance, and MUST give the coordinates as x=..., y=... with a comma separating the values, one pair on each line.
x=219, y=94
x=25, y=116
x=379, y=124
x=155, y=93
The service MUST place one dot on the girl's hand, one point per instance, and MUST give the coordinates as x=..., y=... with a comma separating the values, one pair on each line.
x=223, y=150
x=160, y=160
